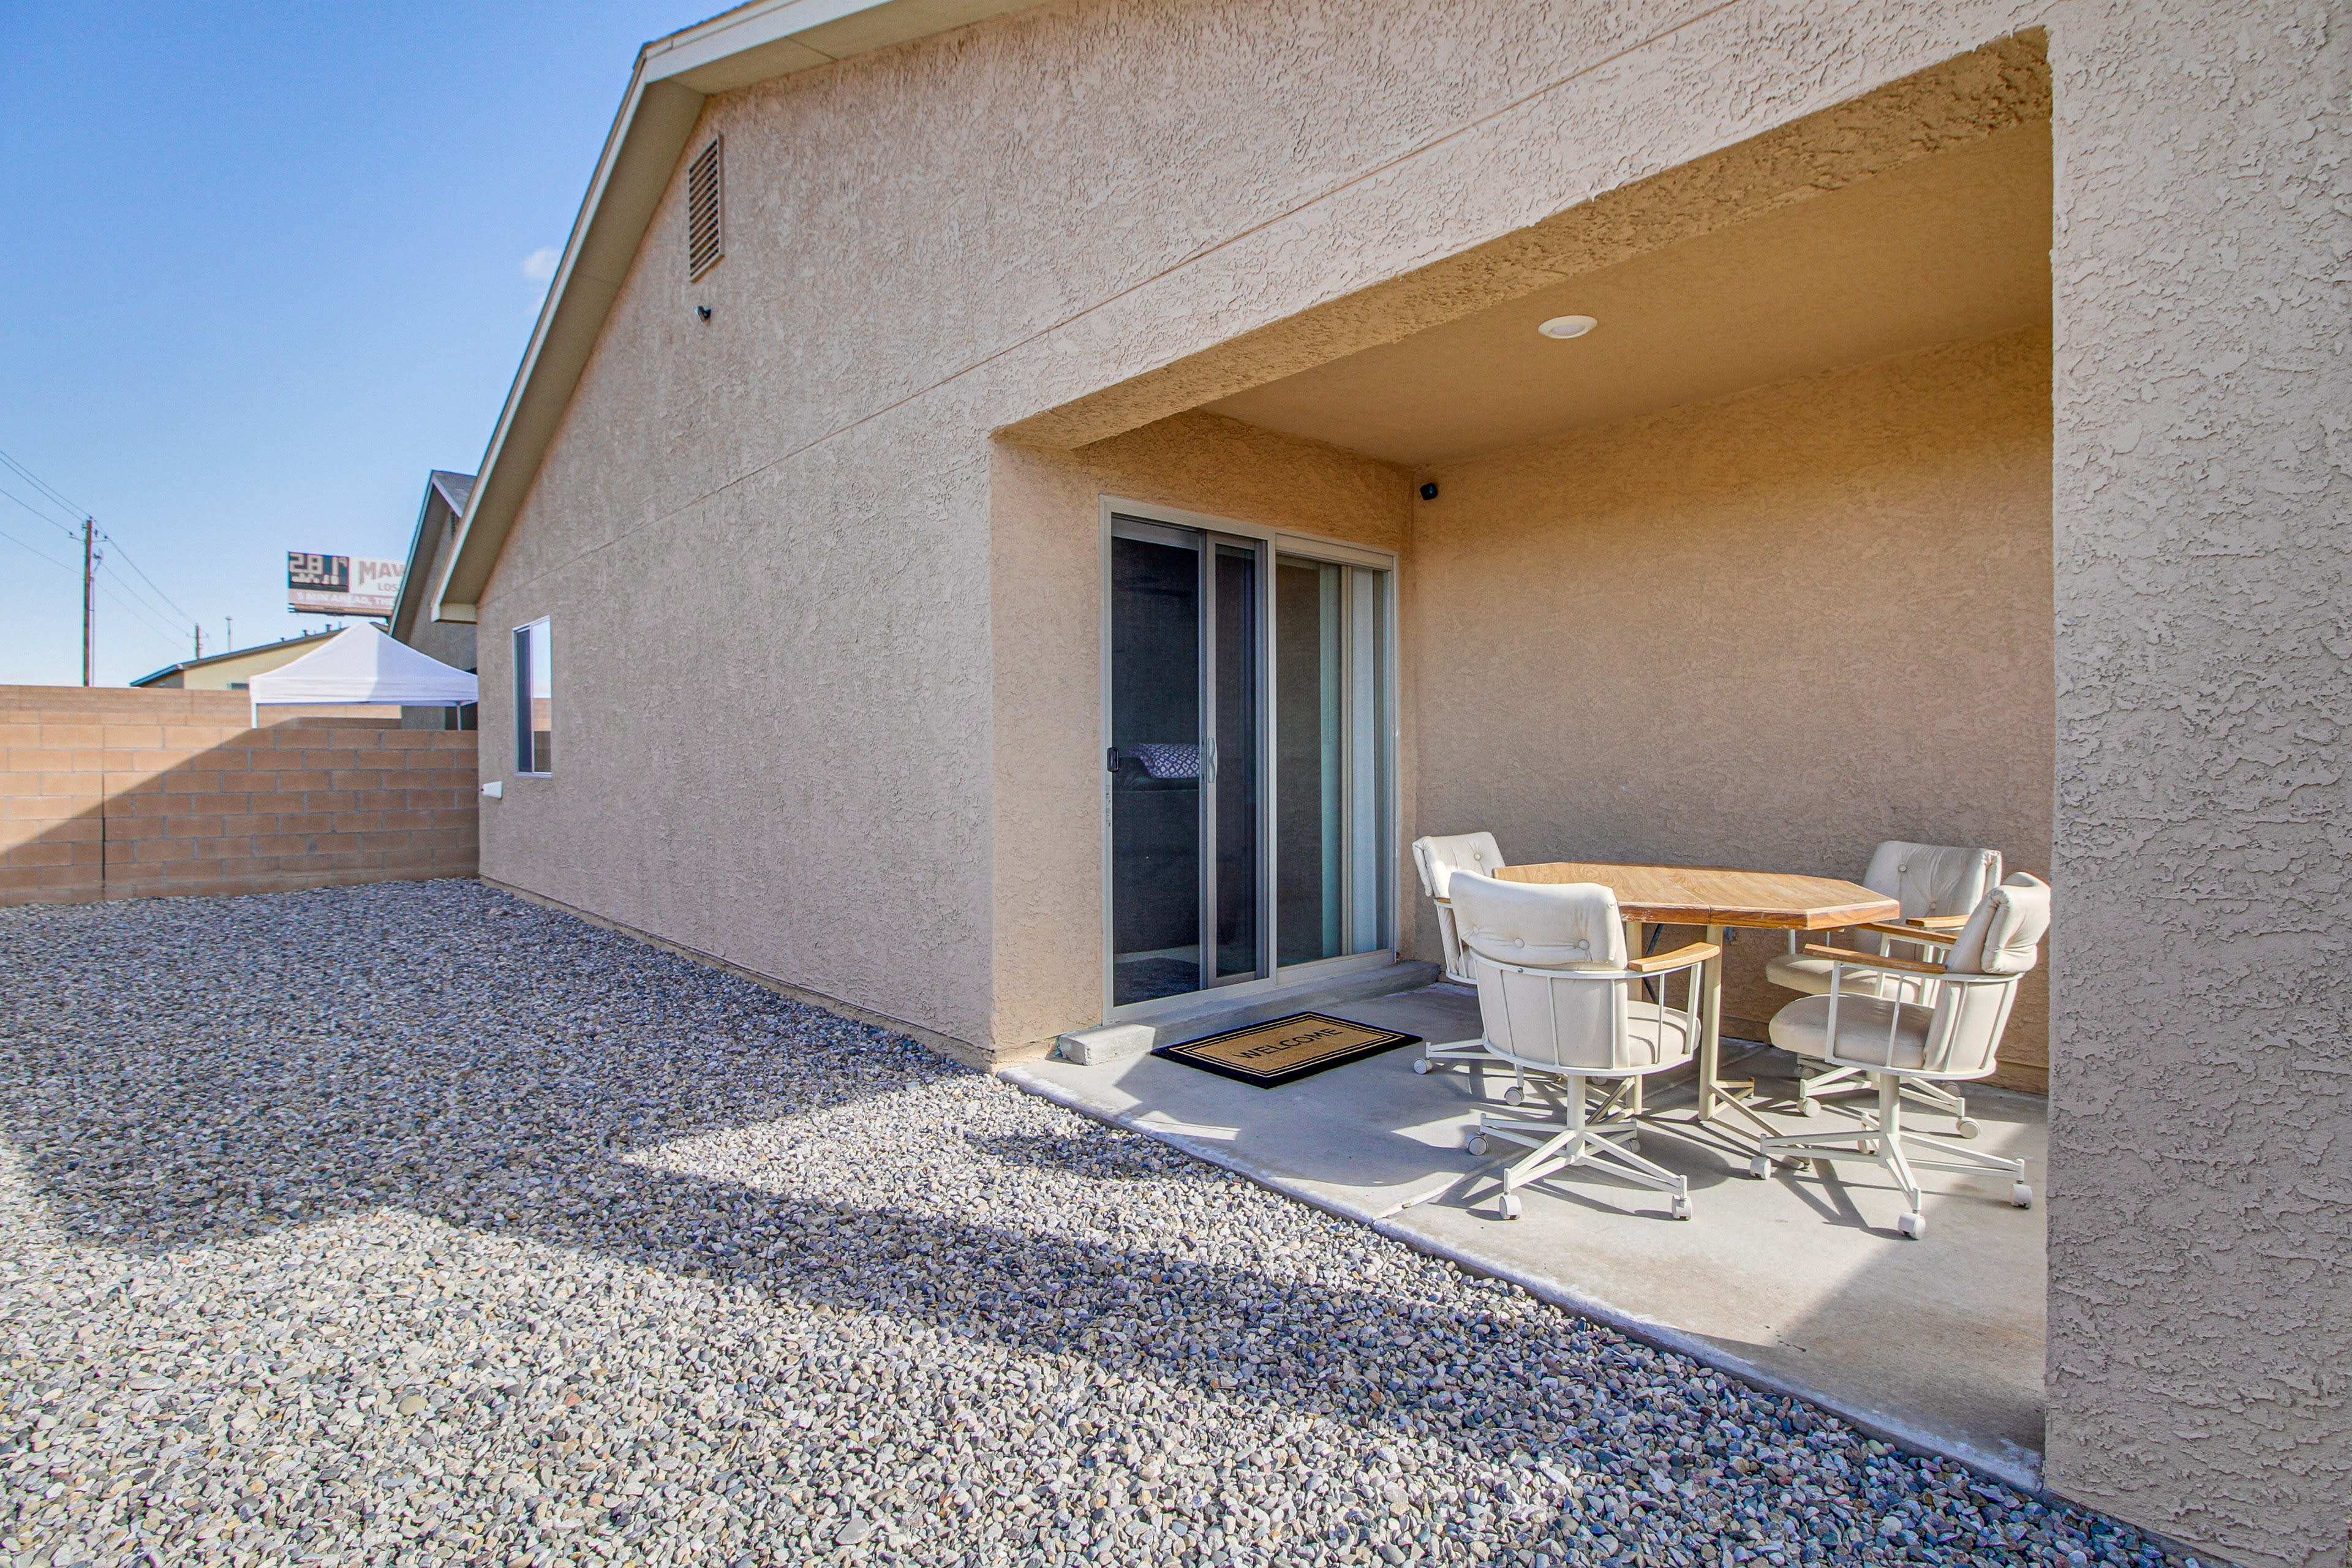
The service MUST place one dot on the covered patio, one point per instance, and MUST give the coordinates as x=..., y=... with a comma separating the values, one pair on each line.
x=1722, y=537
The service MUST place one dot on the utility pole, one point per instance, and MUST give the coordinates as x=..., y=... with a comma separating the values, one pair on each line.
x=200, y=642
x=89, y=611
x=228, y=637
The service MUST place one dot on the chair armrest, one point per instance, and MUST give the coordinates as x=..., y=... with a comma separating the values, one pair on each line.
x=1680, y=958
x=1873, y=960
x=1906, y=932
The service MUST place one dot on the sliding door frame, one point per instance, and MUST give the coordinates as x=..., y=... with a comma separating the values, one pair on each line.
x=1273, y=544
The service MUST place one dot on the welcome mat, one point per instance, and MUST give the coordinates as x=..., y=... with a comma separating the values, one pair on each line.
x=1286, y=1050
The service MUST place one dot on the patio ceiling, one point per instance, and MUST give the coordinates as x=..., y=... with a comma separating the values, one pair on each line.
x=1946, y=248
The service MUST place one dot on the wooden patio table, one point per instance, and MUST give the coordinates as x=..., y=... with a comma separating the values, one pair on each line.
x=1716, y=897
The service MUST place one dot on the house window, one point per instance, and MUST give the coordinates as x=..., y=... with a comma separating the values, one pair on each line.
x=534, y=678
x=706, y=212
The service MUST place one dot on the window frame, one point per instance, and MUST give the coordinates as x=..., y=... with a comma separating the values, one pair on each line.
x=532, y=635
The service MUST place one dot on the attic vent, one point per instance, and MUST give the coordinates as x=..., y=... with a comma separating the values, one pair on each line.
x=704, y=242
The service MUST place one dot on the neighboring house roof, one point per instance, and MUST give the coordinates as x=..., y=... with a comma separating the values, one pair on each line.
x=188, y=664
x=450, y=490
x=454, y=487
x=752, y=43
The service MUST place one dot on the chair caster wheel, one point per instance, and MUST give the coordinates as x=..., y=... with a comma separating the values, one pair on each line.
x=1760, y=1168
x=1682, y=1209
x=1515, y=1095
x=2022, y=1195
x=1425, y=1067
x=1966, y=1127
x=1475, y=1144
x=1914, y=1226
x=1509, y=1206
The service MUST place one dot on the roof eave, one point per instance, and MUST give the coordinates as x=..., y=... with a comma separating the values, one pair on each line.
x=233, y=653
x=752, y=43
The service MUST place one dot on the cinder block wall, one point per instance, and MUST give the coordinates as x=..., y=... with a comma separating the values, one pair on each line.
x=108, y=794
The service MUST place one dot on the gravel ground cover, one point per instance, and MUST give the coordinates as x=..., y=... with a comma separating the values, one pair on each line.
x=414, y=1223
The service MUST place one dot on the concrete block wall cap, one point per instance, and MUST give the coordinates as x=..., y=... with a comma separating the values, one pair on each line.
x=1107, y=1043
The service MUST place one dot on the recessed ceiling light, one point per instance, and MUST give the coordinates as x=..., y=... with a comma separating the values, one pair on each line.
x=1567, y=326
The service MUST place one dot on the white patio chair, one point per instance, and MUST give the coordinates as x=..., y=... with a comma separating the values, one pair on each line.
x=1939, y=885
x=1954, y=1038
x=1560, y=998
x=1438, y=859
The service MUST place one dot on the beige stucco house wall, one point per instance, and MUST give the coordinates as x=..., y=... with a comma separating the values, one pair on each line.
x=822, y=565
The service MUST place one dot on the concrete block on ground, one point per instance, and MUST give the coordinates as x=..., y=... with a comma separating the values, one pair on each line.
x=1107, y=1043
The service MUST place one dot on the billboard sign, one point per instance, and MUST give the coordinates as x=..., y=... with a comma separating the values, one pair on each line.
x=340, y=584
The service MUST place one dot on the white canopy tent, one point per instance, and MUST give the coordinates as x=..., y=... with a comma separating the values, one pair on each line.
x=362, y=665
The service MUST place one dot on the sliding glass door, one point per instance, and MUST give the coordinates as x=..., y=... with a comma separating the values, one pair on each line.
x=1247, y=764
x=1331, y=759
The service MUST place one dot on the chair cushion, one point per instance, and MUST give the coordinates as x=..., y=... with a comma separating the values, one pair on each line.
x=1657, y=1037
x=1811, y=976
x=1437, y=859
x=1553, y=925
x=1803, y=1026
x=1932, y=879
x=2003, y=935
x=1797, y=972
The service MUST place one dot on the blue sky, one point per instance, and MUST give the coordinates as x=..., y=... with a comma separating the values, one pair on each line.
x=261, y=267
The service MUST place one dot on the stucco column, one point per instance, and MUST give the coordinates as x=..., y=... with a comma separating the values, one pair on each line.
x=2200, y=1195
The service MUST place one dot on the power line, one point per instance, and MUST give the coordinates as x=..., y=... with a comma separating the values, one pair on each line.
x=30, y=550
x=132, y=610
x=151, y=582
x=138, y=615
x=43, y=486
x=137, y=611
x=172, y=638
x=167, y=609
x=131, y=588
x=45, y=517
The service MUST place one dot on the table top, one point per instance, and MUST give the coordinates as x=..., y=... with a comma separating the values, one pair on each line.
x=1720, y=896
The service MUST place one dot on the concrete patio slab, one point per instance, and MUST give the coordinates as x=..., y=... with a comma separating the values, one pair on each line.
x=1800, y=1283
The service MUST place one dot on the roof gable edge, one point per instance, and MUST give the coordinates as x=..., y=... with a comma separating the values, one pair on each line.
x=674, y=76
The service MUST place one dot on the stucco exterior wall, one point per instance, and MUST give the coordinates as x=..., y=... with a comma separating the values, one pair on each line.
x=769, y=711
x=2201, y=1212
x=1046, y=592
x=1770, y=630
x=791, y=699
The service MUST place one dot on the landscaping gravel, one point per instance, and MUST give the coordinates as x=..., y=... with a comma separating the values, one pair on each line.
x=415, y=1224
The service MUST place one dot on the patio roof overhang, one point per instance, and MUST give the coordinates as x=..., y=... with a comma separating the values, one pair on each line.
x=1613, y=228
x=674, y=76
x=1950, y=246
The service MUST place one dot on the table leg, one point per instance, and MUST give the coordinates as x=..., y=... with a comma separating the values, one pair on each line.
x=1710, y=1026
x=1633, y=934
x=1713, y=1093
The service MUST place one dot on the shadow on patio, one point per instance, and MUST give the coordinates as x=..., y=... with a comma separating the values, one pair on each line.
x=1800, y=1282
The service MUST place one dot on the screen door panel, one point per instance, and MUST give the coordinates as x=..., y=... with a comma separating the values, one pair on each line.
x=1248, y=760
x=1187, y=835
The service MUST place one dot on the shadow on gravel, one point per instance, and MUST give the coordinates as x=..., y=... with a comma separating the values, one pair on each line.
x=192, y=1075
